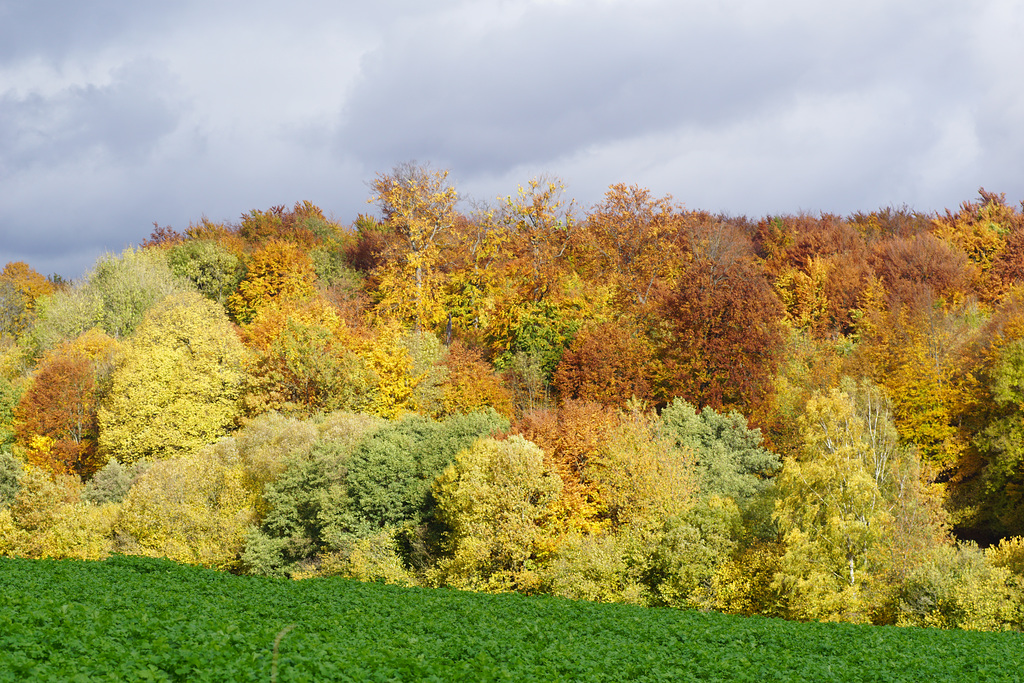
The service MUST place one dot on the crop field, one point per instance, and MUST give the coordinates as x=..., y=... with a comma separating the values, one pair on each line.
x=131, y=618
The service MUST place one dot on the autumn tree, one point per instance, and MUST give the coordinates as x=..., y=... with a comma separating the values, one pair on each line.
x=729, y=456
x=470, y=383
x=818, y=266
x=495, y=502
x=572, y=436
x=60, y=405
x=305, y=360
x=720, y=326
x=113, y=296
x=215, y=271
x=20, y=287
x=541, y=226
x=176, y=385
x=839, y=505
x=276, y=272
x=191, y=508
x=979, y=229
x=633, y=238
x=609, y=363
x=47, y=519
x=917, y=352
x=418, y=207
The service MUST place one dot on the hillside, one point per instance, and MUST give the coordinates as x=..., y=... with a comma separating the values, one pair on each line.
x=811, y=417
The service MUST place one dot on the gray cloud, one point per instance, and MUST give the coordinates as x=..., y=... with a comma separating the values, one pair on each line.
x=53, y=29
x=123, y=120
x=115, y=115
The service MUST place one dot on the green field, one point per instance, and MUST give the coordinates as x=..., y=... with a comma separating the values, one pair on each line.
x=140, y=619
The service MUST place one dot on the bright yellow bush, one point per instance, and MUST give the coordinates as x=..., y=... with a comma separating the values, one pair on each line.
x=194, y=508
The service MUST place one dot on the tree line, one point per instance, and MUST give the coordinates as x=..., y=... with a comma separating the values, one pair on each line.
x=813, y=417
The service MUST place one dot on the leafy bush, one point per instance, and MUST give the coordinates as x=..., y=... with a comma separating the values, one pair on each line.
x=11, y=470
x=599, y=568
x=495, y=500
x=364, y=476
x=729, y=456
x=956, y=587
x=692, y=548
x=111, y=483
x=194, y=508
x=48, y=519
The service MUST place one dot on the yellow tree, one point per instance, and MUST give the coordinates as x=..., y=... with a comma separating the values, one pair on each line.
x=541, y=227
x=980, y=229
x=176, y=384
x=278, y=271
x=840, y=503
x=495, y=501
x=195, y=508
x=917, y=352
x=20, y=286
x=418, y=206
x=634, y=239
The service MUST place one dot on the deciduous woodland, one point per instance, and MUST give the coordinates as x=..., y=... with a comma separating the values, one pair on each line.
x=813, y=417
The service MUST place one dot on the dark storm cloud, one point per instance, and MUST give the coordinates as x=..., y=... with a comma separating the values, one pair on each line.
x=54, y=28
x=114, y=115
x=123, y=120
x=563, y=78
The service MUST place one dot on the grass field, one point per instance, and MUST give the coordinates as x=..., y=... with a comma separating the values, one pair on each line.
x=139, y=619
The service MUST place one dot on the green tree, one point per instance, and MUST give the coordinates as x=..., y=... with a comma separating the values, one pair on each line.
x=176, y=385
x=215, y=271
x=362, y=478
x=731, y=461
x=113, y=296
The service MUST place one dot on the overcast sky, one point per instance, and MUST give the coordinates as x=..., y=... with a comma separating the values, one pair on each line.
x=115, y=115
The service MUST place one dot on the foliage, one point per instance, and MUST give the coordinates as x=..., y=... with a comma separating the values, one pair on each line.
x=20, y=287
x=955, y=587
x=691, y=550
x=192, y=508
x=263, y=446
x=60, y=404
x=599, y=568
x=838, y=504
x=720, y=331
x=608, y=363
x=214, y=270
x=306, y=361
x=361, y=478
x=11, y=470
x=495, y=501
x=418, y=205
x=10, y=396
x=276, y=272
x=176, y=385
x=114, y=296
x=470, y=383
x=112, y=482
x=48, y=519
x=634, y=239
x=642, y=479
x=729, y=455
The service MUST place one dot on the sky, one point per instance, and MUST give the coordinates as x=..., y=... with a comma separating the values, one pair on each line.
x=117, y=115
